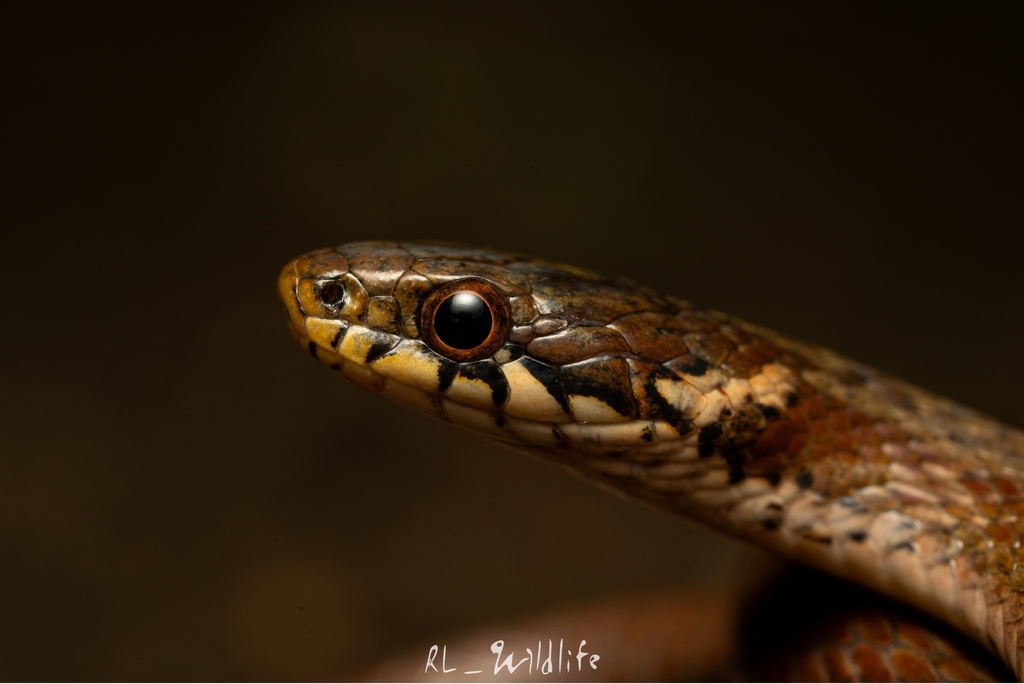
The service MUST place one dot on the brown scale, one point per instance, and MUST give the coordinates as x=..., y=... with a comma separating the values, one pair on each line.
x=584, y=341
x=379, y=273
x=651, y=337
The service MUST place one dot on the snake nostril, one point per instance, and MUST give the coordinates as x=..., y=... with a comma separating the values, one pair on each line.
x=332, y=293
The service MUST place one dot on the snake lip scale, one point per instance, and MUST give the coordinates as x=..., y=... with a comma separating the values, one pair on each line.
x=785, y=444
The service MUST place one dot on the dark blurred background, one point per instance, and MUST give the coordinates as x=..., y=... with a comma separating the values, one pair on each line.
x=185, y=494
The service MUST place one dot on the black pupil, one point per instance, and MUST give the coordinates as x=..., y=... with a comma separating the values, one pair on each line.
x=463, y=321
x=332, y=293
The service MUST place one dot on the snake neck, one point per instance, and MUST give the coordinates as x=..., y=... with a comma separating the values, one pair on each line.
x=844, y=468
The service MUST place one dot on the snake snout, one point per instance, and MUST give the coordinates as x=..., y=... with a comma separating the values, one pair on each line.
x=286, y=290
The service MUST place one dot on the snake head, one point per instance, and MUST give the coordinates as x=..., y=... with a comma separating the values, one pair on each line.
x=530, y=352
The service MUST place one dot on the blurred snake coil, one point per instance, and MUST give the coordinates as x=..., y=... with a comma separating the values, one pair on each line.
x=787, y=445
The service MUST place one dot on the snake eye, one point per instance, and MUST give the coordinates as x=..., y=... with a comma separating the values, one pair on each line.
x=332, y=293
x=465, y=320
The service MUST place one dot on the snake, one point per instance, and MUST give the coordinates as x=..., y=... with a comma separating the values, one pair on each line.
x=784, y=444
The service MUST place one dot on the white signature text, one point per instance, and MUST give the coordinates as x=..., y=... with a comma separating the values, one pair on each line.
x=541, y=660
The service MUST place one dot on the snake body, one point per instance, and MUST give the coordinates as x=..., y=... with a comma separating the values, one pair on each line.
x=785, y=444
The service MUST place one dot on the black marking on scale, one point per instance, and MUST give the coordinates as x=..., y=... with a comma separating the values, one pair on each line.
x=513, y=351
x=709, y=433
x=694, y=366
x=737, y=461
x=706, y=439
x=490, y=374
x=549, y=377
x=377, y=350
x=446, y=373
x=338, y=335
x=804, y=479
x=664, y=409
x=586, y=380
